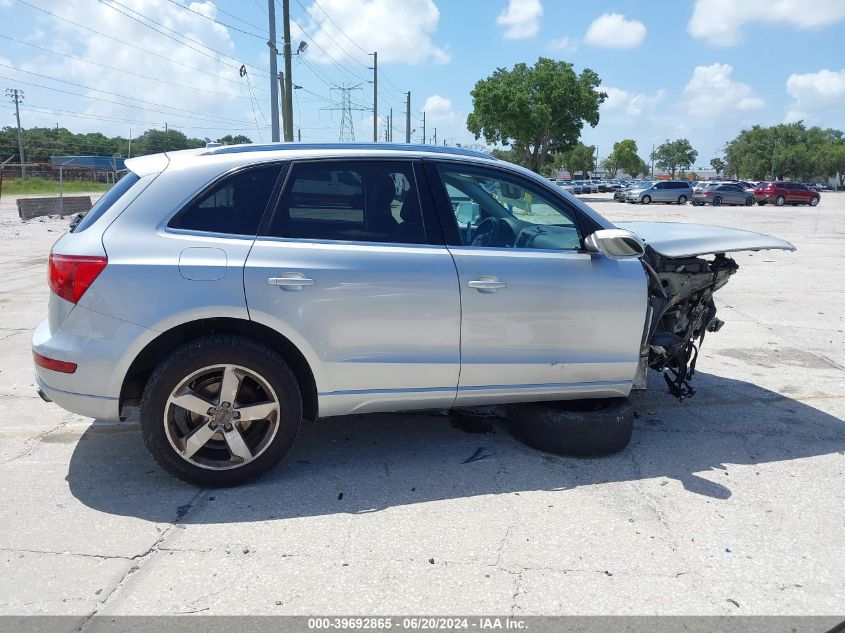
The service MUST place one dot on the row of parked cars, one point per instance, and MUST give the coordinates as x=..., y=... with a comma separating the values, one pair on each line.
x=717, y=193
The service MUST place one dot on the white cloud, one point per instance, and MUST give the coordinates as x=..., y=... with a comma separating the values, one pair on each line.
x=720, y=22
x=187, y=89
x=522, y=19
x=563, y=44
x=438, y=110
x=614, y=30
x=632, y=104
x=815, y=92
x=711, y=92
x=400, y=31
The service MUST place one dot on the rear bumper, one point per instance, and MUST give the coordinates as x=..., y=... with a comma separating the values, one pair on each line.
x=97, y=407
x=102, y=348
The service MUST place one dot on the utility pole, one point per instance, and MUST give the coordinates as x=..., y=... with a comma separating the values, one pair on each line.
x=274, y=90
x=375, y=97
x=17, y=96
x=165, y=136
x=129, y=152
x=408, y=118
x=435, y=142
x=652, y=161
x=435, y=136
x=299, y=135
x=390, y=127
x=288, y=80
x=285, y=113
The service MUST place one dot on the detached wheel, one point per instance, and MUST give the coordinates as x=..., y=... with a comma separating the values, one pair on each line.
x=220, y=410
x=573, y=427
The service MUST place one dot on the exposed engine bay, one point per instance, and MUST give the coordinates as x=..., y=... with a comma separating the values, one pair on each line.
x=681, y=311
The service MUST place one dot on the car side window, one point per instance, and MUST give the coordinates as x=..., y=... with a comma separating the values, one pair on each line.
x=233, y=206
x=493, y=209
x=360, y=201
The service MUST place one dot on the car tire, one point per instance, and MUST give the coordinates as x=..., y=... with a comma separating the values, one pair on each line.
x=573, y=427
x=814, y=201
x=682, y=199
x=717, y=201
x=646, y=199
x=749, y=202
x=261, y=376
x=780, y=201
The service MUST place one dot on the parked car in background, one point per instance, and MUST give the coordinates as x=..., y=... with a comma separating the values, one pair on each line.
x=565, y=185
x=668, y=191
x=577, y=187
x=723, y=193
x=780, y=193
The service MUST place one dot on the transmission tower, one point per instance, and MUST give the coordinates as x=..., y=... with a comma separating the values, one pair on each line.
x=347, y=128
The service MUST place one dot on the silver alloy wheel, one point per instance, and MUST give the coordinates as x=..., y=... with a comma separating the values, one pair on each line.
x=814, y=201
x=221, y=417
x=780, y=200
x=682, y=199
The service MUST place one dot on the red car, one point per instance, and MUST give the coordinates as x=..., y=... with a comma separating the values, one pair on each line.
x=781, y=193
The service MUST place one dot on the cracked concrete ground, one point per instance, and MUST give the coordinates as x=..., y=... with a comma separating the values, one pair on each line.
x=729, y=503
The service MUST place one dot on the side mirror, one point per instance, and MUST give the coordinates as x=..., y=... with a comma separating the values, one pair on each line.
x=615, y=244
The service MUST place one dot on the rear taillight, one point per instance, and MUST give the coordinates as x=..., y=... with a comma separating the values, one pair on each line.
x=72, y=275
x=62, y=366
x=706, y=193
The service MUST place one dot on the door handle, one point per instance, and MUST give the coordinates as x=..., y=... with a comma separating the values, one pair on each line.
x=487, y=283
x=291, y=281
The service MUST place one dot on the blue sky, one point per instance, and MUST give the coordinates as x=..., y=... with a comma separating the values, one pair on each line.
x=703, y=69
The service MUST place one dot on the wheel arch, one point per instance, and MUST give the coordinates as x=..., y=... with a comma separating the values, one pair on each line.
x=157, y=349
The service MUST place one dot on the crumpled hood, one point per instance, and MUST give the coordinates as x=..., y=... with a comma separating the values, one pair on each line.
x=678, y=239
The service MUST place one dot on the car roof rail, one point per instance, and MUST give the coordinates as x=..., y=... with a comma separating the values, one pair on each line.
x=403, y=147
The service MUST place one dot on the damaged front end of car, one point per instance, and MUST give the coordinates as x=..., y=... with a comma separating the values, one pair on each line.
x=686, y=264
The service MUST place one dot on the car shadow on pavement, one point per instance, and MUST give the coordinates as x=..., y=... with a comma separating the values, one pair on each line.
x=367, y=463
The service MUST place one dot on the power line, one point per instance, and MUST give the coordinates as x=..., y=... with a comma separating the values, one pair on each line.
x=228, y=26
x=115, y=94
x=207, y=117
x=317, y=4
x=114, y=4
x=125, y=43
x=121, y=70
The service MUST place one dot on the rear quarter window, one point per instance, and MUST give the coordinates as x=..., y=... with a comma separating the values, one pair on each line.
x=106, y=201
x=233, y=206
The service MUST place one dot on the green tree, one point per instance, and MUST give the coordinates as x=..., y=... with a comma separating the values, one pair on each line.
x=610, y=166
x=671, y=155
x=238, y=139
x=538, y=111
x=625, y=157
x=718, y=165
x=581, y=159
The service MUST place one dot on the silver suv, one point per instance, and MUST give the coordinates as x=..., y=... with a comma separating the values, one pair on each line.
x=669, y=191
x=232, y=292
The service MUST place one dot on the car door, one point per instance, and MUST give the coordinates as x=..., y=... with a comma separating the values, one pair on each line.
x=661, y=193
x=352, y=269
x=798, y=193
x=541, y=317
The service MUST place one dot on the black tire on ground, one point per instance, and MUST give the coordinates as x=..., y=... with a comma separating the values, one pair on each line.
x=717, y=201
x=814, y=201
x=761, y=203
x=646, y=200
x=209, y=351
x=780, y=201
x=749, y=202
x=573, y=427
x=682, y=199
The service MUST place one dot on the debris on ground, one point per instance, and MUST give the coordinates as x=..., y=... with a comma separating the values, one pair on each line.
x=480, y=454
